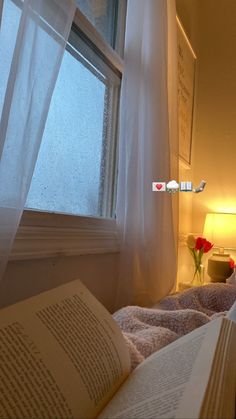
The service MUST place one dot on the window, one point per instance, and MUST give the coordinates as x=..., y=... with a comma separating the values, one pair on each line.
x=75, y=171
x=76, y=168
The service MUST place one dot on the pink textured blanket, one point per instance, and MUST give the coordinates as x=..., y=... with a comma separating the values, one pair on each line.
x=147, y=330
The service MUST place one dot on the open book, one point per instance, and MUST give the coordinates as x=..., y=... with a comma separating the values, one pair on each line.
x=63, y=356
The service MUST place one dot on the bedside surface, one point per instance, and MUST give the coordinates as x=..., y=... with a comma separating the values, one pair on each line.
x=186, y=285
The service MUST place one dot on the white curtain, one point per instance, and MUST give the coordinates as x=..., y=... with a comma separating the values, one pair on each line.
x=148, y=152
x=41, y=39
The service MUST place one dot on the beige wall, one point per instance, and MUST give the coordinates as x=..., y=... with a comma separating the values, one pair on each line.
x=211, y=27
x=187, y=11
x=215, y=134
x=26, y=278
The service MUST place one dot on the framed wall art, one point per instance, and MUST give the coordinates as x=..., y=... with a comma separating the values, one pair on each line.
x=186, y=81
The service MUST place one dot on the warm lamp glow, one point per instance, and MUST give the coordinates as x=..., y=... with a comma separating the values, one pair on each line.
x=220, y=229
x=218, y=206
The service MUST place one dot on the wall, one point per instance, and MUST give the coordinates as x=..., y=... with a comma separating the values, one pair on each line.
x=188, y=12
x=215, y=145
x=210, y=25
x=29, y=277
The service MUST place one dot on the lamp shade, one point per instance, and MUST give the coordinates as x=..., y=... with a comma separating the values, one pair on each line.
x=220, y=229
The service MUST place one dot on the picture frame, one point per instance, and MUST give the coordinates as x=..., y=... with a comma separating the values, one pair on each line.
x=186, y=86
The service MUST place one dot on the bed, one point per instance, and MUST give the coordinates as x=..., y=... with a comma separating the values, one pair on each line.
x=147, y=330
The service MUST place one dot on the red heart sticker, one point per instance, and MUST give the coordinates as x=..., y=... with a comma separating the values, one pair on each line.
x=159, y=186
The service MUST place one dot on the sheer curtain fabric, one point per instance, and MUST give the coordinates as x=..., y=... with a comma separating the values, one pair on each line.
x=41, y=39
x=148, y=152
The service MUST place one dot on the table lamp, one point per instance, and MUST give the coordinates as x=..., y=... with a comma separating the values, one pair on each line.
x=220, y=229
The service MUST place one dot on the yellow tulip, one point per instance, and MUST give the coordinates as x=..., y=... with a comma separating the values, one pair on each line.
x=191, y=241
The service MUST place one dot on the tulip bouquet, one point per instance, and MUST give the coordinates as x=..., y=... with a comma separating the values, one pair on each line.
x=198, y=246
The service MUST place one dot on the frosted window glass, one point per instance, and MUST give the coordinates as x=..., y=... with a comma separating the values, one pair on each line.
x=67, y=173
x=8, y=31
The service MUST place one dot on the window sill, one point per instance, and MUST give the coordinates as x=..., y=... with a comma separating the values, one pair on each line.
x=42, y=235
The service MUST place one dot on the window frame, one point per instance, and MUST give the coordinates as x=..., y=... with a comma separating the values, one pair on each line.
x=44, y=234
x=1, y=9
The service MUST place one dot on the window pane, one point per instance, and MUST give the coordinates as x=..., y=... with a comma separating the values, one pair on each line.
x=71, y=166
x=108, y=17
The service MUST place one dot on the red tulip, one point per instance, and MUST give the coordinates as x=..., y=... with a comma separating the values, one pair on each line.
x=203, y=244
x=207, y=246
x=231, y=263
x=199, y=243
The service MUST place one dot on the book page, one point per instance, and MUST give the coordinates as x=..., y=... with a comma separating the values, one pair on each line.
x=192, y=401
x=61, y=355
x=220, y=396
x=157, y=388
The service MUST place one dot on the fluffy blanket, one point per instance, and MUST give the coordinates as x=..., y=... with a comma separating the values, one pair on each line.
x=148, y=329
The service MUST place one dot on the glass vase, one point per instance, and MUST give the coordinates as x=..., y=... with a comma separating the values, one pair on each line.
x=198, y=277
